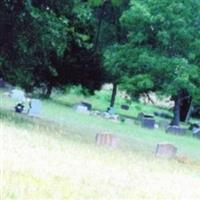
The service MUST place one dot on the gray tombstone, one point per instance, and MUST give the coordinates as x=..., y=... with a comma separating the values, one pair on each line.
x=163, y=124
x=35, y=108
x=176, y=130
x=166, y=150
x=2, y=83
x=18, y=95
x=148, y=122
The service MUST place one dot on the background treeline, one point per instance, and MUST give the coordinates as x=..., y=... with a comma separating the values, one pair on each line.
x=140, y=46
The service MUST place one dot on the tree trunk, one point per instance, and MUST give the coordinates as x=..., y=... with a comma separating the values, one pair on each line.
x=176, y=118
x=114, y=92
x=96, y=43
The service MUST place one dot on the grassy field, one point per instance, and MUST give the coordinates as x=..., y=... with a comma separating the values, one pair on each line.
x=55, y=157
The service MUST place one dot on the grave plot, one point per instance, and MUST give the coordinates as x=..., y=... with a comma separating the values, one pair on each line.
x=176, y=130
x=108, y=140
x=166, y=150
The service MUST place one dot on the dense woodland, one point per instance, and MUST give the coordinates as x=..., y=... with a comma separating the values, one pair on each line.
x=137, y=45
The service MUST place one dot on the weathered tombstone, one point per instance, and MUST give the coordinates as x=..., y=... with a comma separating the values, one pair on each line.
x=166, y=150
x=196, y=132
x=2, y=83
x=105, y=139
x=148, y=122
x=124, y=107
x=163, y=124
x=81, y=108
x=88, y=105
x=176, y=130
x=140, y=116
x=35, y=108
x=18, y=95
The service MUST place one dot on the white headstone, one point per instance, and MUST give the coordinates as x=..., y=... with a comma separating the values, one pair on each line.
x=35, y=108
x=18, y=95
x=82, y=108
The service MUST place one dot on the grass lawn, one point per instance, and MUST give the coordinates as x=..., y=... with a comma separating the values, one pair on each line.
x=55, y=157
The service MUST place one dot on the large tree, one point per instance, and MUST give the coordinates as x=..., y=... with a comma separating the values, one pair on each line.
x=47, y=41
x=162, y=52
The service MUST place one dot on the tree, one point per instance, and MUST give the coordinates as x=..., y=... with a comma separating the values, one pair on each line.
x=42, y=37
x=108, y=33
x=162, y=52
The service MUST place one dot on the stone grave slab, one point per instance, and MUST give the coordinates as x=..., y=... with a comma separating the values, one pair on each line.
x=35, y=108
x=196, y=132
x=124, y=107
x=166, y=150
x=108, y=140
x=176, y=130
x=18, y=95
x=148, y=122
x=163, y=124
x=86, y=104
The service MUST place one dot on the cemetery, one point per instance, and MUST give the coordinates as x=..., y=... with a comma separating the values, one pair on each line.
x=99, y=100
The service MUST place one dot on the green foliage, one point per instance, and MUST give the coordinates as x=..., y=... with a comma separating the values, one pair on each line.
x=161, y=52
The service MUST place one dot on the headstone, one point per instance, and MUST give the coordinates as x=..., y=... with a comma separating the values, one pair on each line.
x=81, y=108
x=109, y=140
x=166, y=150
x=18, y=95
x=88, y=105
x=176, y=130
x=148, y=122
x=163, y=124
x=2, y=83
x=35, y=108
x=125, y=107
x=196, y=132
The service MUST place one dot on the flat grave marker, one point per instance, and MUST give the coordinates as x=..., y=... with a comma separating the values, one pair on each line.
x=176, y=130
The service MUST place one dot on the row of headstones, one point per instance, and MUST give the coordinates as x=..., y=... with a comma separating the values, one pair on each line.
x=149, y=122
x=165, y=150
x=34, y=105
x=145, y=120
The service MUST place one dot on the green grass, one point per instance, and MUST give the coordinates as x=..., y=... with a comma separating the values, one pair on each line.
x=55, y=157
